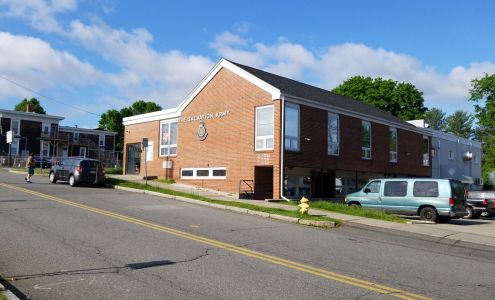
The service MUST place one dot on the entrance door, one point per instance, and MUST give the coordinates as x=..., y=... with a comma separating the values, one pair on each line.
x=133, y=158
x=322, y=184
x=263, y=183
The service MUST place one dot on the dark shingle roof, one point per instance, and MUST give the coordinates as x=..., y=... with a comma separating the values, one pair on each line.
x=295, y=88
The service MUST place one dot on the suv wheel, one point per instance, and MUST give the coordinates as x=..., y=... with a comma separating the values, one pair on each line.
x=428, y=214
x=52, y=177
x=72, y=180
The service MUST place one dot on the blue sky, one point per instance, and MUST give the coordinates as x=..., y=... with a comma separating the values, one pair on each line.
x=94, y=55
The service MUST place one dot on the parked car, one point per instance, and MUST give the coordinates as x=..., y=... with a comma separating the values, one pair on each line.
x=77, y=170
x=40, y=162
x=480, y=203
x=436, y=200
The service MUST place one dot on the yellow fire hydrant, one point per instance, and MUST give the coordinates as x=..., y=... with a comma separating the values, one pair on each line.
x=304, y=206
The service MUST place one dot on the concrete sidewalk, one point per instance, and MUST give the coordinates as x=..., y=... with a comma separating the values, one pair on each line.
x=477, y=234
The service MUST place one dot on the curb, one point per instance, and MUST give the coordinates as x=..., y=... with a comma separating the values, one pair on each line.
x=321, y=224
x=8, y=294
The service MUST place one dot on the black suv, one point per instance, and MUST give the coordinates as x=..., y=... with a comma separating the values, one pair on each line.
x=480, y=203
x=78, y=170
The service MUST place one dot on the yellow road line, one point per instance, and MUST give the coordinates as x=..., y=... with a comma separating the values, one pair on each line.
x=382, y=289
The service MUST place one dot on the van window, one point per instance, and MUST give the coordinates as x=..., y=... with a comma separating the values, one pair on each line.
x=395, y=188
x=425, y=189
x=374, y=186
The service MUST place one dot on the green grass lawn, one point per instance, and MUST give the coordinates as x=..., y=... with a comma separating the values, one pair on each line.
x=352, y=210
x=290, y=213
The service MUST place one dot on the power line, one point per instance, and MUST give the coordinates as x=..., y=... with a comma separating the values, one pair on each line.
x=47, y=97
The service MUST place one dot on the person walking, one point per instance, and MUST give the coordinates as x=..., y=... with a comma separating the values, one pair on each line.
x=30, y=168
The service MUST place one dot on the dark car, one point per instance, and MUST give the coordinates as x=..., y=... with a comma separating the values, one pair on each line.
x=480, y=203
x=40, y=162
x=77, y=170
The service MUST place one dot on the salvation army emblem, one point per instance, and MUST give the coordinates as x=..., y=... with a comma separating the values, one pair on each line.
x=202, y=133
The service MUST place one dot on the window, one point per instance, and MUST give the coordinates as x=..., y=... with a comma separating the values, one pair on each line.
x=297, y=186
x=451, y=155
x=395, y=188
x=14, y=127
x=203, y=173
x=82, y=152
x=14, y=147
x=426, y=151
x=333, y=134
x=425, y=189
x=46, y=129
x=374, y=186
x=264, y=128
x=101, y=141
x=476, y=159
x=168, y=140
x=45, y=149
x=292, y=127
x=366, y=140
x=393, y=144
x=76, y=137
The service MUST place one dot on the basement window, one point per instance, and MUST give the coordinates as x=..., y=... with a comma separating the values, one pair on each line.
x=203, y=173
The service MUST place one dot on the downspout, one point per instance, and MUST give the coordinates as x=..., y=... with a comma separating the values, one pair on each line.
x=282, y=149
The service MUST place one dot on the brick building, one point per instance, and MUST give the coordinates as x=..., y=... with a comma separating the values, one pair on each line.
x=257, y=134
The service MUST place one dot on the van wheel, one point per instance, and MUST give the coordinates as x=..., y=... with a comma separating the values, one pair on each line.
x=52, y=177
x=355, y=205
x=428, y=214
x=72, y=180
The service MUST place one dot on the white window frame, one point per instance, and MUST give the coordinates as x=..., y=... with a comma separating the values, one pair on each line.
x=365, y=151
x=393, y=152
x=45, y=130
x=15, y=129
x=168, y=146
x=265, y=138
x=289, y=139
x=83, y=153
x=333, y=148
x=426, y=154
x=101, y=141
x=210, y=173
x=45, y=146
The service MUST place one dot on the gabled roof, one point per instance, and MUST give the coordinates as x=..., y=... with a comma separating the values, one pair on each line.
x=301, y=90
x=279, y=87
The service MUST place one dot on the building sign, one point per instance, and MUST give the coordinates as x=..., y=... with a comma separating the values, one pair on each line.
x=206, y=116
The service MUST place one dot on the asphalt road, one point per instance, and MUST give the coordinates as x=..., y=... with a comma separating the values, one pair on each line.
x=58, y=242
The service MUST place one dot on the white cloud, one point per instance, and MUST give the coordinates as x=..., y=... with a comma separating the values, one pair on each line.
x=40, y=14
x=35, y=64
x=330, y=66
x=163, y=77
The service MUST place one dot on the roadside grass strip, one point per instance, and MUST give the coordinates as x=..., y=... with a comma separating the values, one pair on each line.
x=351, y=210
x=289, y=213
x=378, y=288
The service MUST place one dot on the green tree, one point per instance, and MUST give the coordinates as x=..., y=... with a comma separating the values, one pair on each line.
x=402, y=100
x=111, y=120
x=483, y=95
x=435, y=117
x=460, y=123
x=35, y=106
